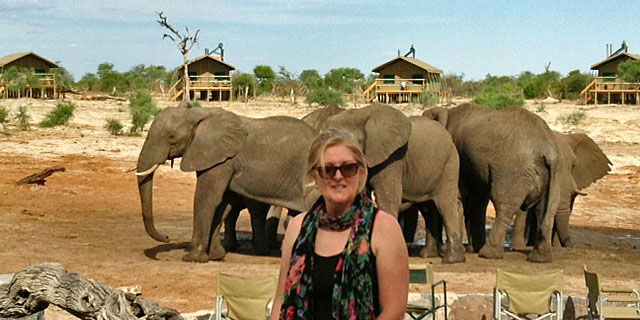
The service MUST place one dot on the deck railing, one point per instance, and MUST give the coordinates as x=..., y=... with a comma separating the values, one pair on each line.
x=608, y=86
x=201, y=83
x=399, y=85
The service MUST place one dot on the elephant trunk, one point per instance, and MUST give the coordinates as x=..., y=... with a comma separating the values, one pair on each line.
x=562, y=224
x=145, y=187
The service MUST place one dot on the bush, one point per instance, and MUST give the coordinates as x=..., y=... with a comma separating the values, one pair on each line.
x=429, y=99
x=114, y=126
x=23, y=118
x=324, y=97
x=630, y=70
x=59, y=116
x=142, y=108
x=498, y=100
x=572, y=119
x=574, y=83
x=4, y=117
x=242, y=81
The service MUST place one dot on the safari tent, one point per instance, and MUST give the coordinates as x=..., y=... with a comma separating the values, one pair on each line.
x=43, y=87
x=608, y=87
x=403, y=79
x=209, y=79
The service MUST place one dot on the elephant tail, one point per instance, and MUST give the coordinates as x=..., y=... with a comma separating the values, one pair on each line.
x=553, y=164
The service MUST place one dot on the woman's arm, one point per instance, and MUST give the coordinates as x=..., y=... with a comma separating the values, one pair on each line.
x=392, y=265
x=287, y=244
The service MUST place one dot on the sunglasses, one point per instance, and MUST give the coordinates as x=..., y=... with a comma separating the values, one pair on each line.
x=347, y=170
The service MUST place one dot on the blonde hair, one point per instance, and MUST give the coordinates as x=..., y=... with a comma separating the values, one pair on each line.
x=333, y=137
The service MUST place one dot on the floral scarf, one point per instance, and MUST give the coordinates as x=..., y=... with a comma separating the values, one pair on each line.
x=353, y=285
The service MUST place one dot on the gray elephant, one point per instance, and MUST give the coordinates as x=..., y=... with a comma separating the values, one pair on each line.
x=233, y=156
x=508, y=157
x=587, y=164
x=411, y=160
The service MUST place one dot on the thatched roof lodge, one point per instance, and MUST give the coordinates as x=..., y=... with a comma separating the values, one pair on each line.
x=403, y=79
x=608, y=87
x=28, y=60
x=209, y=79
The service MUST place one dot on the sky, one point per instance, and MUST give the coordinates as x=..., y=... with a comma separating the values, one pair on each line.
x=473, y=38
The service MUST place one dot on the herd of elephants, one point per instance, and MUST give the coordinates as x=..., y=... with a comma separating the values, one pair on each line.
x=446, y=164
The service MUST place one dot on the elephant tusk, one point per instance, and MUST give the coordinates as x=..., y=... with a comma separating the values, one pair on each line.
x=581, y=193
x=148, y=172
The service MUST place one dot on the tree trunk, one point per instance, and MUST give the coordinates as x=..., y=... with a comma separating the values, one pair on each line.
x=186, y=96
x=37, y=286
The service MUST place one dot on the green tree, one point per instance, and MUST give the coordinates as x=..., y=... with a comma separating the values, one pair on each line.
x=343, y=79
x=89, y=82
x=629, y=70
x=287, y=84
x=4, y=117
x=240, y=83
x=324, y=96
x=310, y=78
x=265, y=77
x=15, y=80
x=64, y=80
x=142, y=108
x=574, y=83
x=110, y=80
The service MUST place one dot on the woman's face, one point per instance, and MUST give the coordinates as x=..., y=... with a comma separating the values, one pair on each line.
x=338, y=189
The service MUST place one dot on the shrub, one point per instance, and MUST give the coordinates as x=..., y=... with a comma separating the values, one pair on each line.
x=541, y=108
x=59, y=116
x=23, y=118
x=114, y=126
x=498, y=100
x=429, y=99
x=4, y=117
x=324, y=97
x=574, y=83
x=572, y=119
x=630, y=70
x=242, y=81
x=142, y=108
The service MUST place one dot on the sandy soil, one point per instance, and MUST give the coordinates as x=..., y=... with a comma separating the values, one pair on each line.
x=88, y=217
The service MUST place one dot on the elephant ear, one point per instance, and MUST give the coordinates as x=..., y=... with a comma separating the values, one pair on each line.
x=216, y=138
x=591, y=163
x=386, y=130
x=438, y=114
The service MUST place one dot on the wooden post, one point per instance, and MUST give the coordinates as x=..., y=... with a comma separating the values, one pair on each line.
x=608, y=97
x=595, y=99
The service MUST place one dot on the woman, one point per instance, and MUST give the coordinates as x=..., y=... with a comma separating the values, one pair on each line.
x=344, y=259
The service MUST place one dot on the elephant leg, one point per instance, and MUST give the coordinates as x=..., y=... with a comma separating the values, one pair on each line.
x=475, y=218
x=494, y=248
x=271, y=226
x=258, y=211
x=230, y=242
x=531, y=228
x=562, y=229
x=450, y=214
x=542, y=248
x=207, y=218
x=409, y=221
x=519, y=230
x=433, y=225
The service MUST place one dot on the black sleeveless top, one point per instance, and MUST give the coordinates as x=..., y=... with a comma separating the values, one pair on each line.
x=322, y=277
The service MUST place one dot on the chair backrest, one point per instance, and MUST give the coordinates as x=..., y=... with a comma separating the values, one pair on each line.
x=421, y=273
x=529, y=293
x=246, y=298
x=592, y=281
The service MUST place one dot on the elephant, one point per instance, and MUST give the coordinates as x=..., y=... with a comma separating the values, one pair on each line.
x=233, y=156
x=411, y=160
x=510, y=157
x=587, y=163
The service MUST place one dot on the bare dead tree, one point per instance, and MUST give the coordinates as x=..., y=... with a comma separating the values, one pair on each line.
x=184, y=42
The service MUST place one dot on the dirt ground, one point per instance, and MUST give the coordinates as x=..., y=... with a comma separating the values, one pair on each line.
x=88, y=218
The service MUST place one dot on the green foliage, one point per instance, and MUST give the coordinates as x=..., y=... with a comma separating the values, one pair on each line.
x=64, y=80
x=114, y=126
x=110, y=80
x=429, y=99
x=142, y=108
x=148, y=78
x=311, y=78
x=242, y=81
x=4, y=117
x=629, y=70
x=287, y=82
x=572, y=119
x=541, y=108
x=59, y=116
x=265, y=76
x=574, y=83
x=324, y=97
x=23, y=118
x=194, y=104
x=89, y=82
x=344, y=79
x=499, y=93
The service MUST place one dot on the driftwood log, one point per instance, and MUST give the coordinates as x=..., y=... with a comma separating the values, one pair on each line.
x=34, y=288
x=39, y=178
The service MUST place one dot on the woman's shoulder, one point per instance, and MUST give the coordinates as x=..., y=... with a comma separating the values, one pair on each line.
x=384, y=219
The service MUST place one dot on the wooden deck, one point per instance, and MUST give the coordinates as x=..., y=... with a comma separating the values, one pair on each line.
x=399, y=90
x=46, y=89
x=606, y=90
x=207, y=88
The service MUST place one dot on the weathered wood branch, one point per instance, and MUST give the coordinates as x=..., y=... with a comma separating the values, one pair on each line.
x=39, y=178
x=34, y=288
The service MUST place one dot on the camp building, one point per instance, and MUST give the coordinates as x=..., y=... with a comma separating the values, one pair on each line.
x=209, y=79
x=45, y=87
x=403, y=79
x=607, y=87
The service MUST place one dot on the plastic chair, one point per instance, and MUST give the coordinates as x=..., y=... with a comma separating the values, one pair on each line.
x=245, y=298
x=601, y=299
x=423, y=274
x=518, y=294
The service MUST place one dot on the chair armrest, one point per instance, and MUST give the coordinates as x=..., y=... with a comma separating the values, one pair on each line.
x=617, y=290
